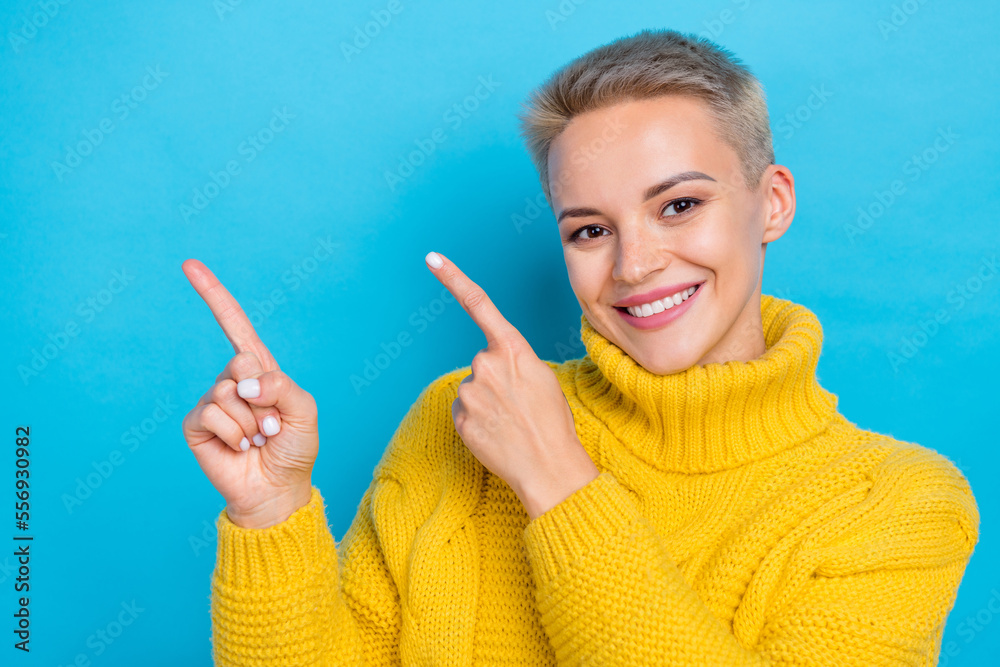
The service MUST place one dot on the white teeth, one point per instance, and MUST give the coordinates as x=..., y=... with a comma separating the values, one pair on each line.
x=666, y=303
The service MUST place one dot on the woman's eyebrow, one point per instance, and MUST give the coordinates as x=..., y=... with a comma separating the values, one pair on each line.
x=674, y=180
x=652, y=191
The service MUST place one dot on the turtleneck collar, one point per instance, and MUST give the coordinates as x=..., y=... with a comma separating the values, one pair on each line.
x=715, y=416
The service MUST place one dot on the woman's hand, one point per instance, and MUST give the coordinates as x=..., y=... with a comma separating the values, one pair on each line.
x=252, y=401
x=511, y=411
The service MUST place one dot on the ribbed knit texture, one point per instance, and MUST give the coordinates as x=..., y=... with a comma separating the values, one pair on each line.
x=738, y=519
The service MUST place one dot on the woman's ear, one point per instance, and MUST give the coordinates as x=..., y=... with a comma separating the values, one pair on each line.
x=779, y=185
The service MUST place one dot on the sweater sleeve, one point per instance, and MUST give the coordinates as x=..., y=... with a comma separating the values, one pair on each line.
x=608, y=592
x=283, y=595
x=289, y=595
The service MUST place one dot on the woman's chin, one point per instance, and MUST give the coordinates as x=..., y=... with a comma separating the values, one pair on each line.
x=662, y=362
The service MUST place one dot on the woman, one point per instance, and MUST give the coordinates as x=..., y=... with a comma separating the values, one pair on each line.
x=685, y=494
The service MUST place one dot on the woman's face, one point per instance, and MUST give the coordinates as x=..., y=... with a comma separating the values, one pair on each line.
x=624, y=238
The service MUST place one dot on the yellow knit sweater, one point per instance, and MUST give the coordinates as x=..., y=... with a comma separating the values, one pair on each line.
x=738, y=519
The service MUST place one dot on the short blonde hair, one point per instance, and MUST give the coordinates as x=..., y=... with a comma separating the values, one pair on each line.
x=646, y=65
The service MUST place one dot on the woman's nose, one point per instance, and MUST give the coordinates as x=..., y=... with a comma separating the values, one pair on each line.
x=638, y=255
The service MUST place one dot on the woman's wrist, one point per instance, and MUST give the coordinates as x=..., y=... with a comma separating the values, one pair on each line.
x=275, y=511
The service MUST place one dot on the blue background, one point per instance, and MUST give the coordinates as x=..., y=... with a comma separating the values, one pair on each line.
x=892, y=76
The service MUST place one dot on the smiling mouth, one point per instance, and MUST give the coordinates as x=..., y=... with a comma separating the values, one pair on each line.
x=660, y=305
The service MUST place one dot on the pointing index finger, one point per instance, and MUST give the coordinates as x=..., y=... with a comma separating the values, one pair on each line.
x=228, y=313
x=475, y=302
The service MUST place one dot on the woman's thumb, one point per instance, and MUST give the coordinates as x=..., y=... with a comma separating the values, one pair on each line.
x=275, y=388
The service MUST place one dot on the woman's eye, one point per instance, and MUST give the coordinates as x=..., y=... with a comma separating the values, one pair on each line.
x=582, y=233
x=680, y=206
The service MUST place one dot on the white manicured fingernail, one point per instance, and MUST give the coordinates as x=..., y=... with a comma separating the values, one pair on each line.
x=249, y=388
x=434, y=260
x=271, y=426
x=259, y=440
x=244, y=444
